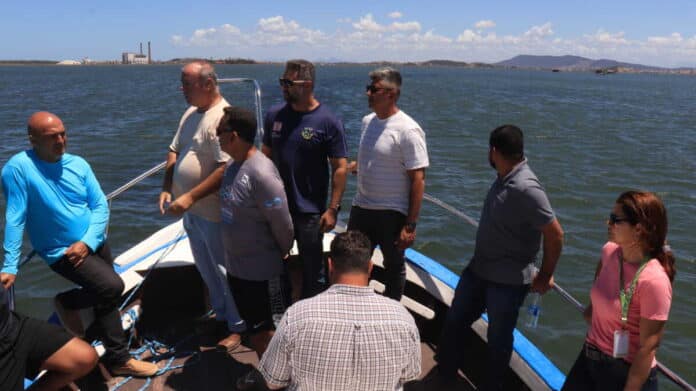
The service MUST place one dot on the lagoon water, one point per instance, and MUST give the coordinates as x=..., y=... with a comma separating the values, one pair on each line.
x=587, y=137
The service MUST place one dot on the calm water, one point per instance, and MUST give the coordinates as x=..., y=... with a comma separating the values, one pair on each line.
x=587, y=138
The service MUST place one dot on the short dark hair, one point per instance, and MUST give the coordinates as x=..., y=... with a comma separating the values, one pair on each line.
x=509, y=141
x=240, y=120
x=304, y=69
x=351, y=252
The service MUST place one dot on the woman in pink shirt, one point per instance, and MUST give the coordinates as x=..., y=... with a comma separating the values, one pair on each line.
x=629, y=301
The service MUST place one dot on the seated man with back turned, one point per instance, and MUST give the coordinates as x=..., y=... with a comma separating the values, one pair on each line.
x=57, y=197
x=347, y=338
x=22, y=354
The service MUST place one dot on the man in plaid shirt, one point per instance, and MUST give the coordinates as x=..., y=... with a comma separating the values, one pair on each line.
x=346, y=338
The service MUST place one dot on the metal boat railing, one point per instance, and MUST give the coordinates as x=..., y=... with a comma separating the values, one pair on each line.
x=148, y=173
x=257, y=102
x=669, y=374
x=567, y=297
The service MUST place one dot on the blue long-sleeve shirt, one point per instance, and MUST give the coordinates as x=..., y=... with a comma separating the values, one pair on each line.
x=58, y=203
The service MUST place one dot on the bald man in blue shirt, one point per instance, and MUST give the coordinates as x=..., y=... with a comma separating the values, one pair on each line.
x=57, y=198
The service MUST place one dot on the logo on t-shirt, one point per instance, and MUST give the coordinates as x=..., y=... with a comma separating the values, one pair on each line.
x=275, y=202
x=277, y=127
x=307, y=133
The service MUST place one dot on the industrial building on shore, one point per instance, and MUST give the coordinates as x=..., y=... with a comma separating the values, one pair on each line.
x=138, y=58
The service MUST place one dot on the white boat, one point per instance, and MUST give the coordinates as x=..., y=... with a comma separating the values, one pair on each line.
x=164, y=295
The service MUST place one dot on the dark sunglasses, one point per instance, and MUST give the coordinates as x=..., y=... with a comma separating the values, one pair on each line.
x=614, y=219
x=372, y=89
x=290, y=83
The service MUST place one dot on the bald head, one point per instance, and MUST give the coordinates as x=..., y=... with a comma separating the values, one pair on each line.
x=47, y=135
x=199, y=84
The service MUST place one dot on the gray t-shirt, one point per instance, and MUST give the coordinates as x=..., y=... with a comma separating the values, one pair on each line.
x=256, y=223
x=509, y=232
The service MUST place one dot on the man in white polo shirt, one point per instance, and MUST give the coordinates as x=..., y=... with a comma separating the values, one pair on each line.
x=391, y=177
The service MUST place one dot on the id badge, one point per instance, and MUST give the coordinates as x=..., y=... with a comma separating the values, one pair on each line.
x=620, y=343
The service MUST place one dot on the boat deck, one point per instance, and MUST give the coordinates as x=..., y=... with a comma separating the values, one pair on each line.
x=172, y=302
x=209, y=369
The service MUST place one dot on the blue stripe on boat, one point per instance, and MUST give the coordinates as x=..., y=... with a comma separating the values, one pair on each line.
x=122, y=268
x=553, y=377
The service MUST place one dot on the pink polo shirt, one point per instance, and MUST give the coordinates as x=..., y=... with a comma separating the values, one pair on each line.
x=651, y=300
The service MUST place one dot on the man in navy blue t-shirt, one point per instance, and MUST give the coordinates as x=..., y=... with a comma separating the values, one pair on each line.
x=302, y=137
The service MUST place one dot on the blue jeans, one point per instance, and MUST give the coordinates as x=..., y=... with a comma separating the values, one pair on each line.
x=472, y=296
x=206, y=246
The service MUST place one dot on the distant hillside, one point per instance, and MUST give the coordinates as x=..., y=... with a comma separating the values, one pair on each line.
x=569, y=63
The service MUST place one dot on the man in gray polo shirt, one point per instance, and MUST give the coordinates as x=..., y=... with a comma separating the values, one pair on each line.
x=516, y=215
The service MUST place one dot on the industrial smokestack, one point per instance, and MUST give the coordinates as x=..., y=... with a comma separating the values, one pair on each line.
x=149, y=53
x=141, y=48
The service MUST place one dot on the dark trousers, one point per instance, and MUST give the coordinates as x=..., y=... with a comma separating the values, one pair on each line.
x=472, y=296
x=601, y=372
x=101, y=288
x=383, y=228
x=309, y=245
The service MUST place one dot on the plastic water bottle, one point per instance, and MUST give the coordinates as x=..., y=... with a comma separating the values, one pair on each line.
x=533, y=310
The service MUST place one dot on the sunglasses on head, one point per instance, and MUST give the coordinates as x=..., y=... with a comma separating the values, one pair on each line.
x=289, y=83
x=372, y=89
x=614, y=219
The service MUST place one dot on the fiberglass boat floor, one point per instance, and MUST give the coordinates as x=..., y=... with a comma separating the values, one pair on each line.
x=212, y=370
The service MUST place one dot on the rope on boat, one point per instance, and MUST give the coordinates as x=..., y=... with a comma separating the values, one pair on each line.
x=152, y=267
x=153, y=346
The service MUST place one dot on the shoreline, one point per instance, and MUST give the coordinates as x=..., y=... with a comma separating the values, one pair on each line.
x=431, y=63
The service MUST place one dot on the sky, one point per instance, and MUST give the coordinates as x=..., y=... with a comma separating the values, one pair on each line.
x=660, y=33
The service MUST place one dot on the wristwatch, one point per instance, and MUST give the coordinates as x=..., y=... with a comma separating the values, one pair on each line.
x=336, y=208
x=410, y=227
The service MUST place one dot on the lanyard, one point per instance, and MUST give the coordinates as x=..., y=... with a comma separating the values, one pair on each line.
x=624, y=296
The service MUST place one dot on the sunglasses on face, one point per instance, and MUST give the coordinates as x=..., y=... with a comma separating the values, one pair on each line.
x=372, y=89
x=614, y=219
x=289, y=83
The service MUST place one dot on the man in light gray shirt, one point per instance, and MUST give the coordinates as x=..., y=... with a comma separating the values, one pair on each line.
x=256, y=225
x=516, y=215
x=193, y=173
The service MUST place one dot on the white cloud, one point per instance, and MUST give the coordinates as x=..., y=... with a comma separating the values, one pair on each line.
x=408, y=26
x=484, y=24
x=605, y=37
x=366, y=38
x=672, y=39
x=537, y=32
x=469, y=36
x=395, y=15
x=367, y=23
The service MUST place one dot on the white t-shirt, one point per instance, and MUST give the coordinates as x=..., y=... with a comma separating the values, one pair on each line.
x=388, y=148
x=199, y=153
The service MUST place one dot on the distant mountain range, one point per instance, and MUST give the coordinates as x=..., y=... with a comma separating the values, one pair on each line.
x=570, y=63
x=525, y=61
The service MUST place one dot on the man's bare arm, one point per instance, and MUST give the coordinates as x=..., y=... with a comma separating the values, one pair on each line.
x=166, y=194
x=338, y=186
x=208, y=186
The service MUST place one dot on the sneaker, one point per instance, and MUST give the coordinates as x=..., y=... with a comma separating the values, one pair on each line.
x=251, y=381
x=136, y=368
x=229, y=343
x=70, y=319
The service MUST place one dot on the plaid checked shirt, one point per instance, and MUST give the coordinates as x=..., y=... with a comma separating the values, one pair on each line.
x=347, y=338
